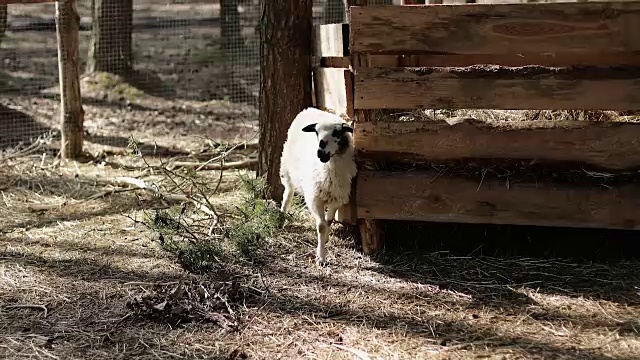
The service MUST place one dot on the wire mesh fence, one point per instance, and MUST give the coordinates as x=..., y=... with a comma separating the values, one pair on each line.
x=170, y=73
x=167, y=72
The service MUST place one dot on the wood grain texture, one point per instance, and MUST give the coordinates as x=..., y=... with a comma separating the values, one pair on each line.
x=494, y=87
x=330, y=40
x=71, y=111
x=331, y=90
x=371, y=233
x=285, y=69
x=8, y=2
x=497, y=28
x=424, y=196
x=608, y=145
x=551, y=60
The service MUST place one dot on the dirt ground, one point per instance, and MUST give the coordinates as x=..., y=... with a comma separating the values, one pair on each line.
x=93, y=267
x=77, y=261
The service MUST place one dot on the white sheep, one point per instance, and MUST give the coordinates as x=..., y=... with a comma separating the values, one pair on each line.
x=317, y=161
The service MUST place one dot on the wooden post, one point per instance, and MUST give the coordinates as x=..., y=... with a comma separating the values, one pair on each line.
x=285, y=85
x=370, y=229
x=71, y=112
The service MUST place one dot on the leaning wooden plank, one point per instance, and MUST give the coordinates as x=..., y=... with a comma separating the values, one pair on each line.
x=604, y=144
x=495, y=87
x=497, y=29
x=330, y=40
x=425, y=196
x=331, y=93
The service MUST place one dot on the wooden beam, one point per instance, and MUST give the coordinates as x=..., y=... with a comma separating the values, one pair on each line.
x=426, y=196
x=604, y=144
x=71, y=111
x=330, y=40
x=13, y=2
x=371, y=233
x=550, y=60
x=497, y=28
x=495, y=87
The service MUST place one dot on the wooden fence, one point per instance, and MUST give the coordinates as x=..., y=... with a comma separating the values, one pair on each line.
x=544, y=56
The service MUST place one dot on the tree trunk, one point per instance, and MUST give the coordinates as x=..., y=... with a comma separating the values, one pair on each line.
x=285, y=85
x=112, y=24
x=3, y=21
x=71, y=112
x=334, y=12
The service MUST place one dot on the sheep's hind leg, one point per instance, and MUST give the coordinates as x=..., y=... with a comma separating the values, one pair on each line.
x=317, y=210
x=287, y=196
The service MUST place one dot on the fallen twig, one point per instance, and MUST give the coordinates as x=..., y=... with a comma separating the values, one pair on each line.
x=359, y=353
x=245, y=164
x=142, y=283
x=28, y=306
x=31, y=149
x=141, y=184
x=45, y=207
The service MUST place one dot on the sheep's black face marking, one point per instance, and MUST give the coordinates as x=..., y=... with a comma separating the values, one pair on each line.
x=323, y=156
x=332, y=139
x=343, y=143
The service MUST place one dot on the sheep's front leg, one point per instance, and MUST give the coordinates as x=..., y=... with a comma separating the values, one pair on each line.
x=317, y=210
x=331, y=214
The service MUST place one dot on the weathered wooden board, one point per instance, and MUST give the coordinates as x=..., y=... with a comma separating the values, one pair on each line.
x=551, y=60
x=494, y=87
x=330, y=40
x=333, y=92
x=609, y=145
x=424, y=196
x=497, y=28
x=5, y=2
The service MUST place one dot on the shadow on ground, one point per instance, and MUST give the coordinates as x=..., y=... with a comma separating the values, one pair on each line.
x=488, y=261
x=18, y=128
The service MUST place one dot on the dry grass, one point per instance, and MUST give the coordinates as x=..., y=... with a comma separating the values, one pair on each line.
x=503, y=117
x=81, y=278
x=90, y=268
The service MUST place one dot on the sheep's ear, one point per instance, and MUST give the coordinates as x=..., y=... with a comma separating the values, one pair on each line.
x=309, y=128
x=347, y=128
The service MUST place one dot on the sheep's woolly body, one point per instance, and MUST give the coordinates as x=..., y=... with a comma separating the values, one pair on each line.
x=331, y=181
x=321, y=184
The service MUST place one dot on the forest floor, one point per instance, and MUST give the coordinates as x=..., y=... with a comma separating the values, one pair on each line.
x=131, y=253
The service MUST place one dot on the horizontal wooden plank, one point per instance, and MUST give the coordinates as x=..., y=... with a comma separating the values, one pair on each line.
x=343, y=62
x=497, y=28
x=425, y=196
x=9, y=2
x=330, y=40
x=495, y=87
x=603, y=144
x=550, y=60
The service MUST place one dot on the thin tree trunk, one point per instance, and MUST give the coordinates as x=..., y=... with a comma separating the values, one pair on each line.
x=285, y=85
x=3, y=21
x=71, y=112
x=232, y=41
x=112, y=25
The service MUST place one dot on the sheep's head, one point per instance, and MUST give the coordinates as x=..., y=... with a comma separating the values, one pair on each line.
x=332, y=138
